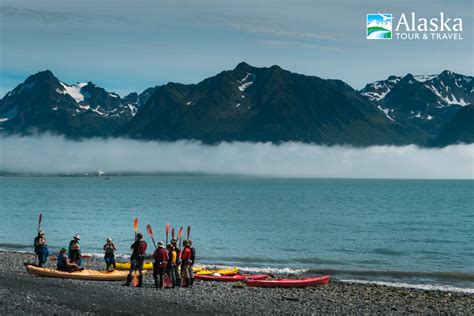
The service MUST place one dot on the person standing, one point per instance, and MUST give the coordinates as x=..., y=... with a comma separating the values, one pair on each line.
x=161, y=262
x=109, y=256
x=75, y=250
x=137, y=258
x=175, y=255
x=41, y=248
x=193, y=259
x=186, y=265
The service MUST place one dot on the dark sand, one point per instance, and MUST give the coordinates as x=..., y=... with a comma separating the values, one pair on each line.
x=21, y=293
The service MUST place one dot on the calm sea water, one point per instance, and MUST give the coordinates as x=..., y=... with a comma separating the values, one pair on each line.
x=405, y=231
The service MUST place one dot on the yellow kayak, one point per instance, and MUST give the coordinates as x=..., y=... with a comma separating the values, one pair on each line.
x=148, y=265
x=86, y=274
x=231, y=271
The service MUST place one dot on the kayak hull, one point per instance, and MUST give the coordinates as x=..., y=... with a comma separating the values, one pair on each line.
x=86, y=274
x=148, y=265
x=231, y=271
x=302, y=282
x=231, y=278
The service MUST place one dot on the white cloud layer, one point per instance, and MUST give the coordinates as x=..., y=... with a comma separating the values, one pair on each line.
x=56, y=155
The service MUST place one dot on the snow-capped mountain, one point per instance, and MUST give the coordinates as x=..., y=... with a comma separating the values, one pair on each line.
x=252, y=104
x=426, y=101
x=43, y=103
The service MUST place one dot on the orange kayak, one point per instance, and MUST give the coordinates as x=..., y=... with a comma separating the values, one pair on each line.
x=86, y=274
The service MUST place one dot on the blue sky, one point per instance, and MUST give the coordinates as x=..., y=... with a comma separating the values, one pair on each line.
x=127, y=46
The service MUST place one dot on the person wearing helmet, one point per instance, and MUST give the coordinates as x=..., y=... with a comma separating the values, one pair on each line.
x=63, y=263
x=75, y=250
x=41, y=248
x=160, y=264
x=136, y=259
x=109, y=256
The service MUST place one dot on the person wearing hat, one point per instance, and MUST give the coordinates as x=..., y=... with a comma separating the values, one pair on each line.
x=160, y=264
x=41, y=248
x=75, y=250
x=63, y=263
x=136, y=259
x=109, y=256
x=186, y=265
x=173, y=263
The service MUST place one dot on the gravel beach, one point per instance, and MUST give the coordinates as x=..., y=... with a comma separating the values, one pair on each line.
x=21, y=293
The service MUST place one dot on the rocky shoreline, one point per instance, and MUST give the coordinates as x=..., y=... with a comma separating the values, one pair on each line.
x=21, y=293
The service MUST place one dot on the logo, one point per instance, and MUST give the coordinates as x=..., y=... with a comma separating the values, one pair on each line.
x=411, y=26
x=379, y=26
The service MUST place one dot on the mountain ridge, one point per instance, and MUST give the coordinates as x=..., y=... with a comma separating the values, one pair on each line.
x=245, y=104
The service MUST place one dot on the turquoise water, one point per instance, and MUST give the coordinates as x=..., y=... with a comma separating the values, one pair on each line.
x=417, y=232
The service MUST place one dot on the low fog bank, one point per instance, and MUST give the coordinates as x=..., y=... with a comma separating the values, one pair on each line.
x=48, y=154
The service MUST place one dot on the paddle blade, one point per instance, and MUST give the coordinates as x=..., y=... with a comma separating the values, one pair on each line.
x=135, y=225
x=167, y=229
x=135, y=279
x=189, y=231
x=180, y=232
x=40, y=218
x=172, y=233
x=149, y=230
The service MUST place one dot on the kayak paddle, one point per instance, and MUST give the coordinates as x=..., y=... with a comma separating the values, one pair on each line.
x=167, y=231
x=39, y=227
x=180, y=233
x=189, y=232
x=150, y=233
x=135, y=229
x=172, y=233
x=39, y=221
x=135, y=226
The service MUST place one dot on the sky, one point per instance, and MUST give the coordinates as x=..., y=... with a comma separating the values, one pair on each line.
x=127, y=46
x=49, y=154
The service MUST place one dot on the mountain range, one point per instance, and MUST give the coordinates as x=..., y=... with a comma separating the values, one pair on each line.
x=252, y=104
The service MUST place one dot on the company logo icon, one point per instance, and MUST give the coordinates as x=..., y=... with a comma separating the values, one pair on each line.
x=379, y=26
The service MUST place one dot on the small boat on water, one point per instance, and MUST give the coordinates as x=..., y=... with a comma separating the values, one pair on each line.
x=86, y=274
x=301, y=282
x=230, y=278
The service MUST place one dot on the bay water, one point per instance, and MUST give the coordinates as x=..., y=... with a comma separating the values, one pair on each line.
x=415, y=232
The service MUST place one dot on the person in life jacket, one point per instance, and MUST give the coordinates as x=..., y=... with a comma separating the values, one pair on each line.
x=63, y=263
x=109, y=255
x=136, y=259
x=186, y=265
x=193, y=259
x=161, y=262
x=41, y=248
x=174, y=262
x=74, y=250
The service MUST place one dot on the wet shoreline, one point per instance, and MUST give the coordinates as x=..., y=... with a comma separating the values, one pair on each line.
x=24, y=293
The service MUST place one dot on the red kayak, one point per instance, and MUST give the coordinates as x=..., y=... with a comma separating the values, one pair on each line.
x=231, y=278
x=289, y=282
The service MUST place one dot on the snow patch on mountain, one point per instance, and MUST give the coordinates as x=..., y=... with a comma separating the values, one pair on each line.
x=386, y=111
x=246, y=81
x=73, y=90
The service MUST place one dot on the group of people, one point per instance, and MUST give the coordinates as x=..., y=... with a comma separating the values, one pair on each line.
x=167, y=262
x=170, y=262
x=68, y=259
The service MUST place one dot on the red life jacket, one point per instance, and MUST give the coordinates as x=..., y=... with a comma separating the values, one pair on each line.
x=186, y=255
x=161, y=257
x=141, y=247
